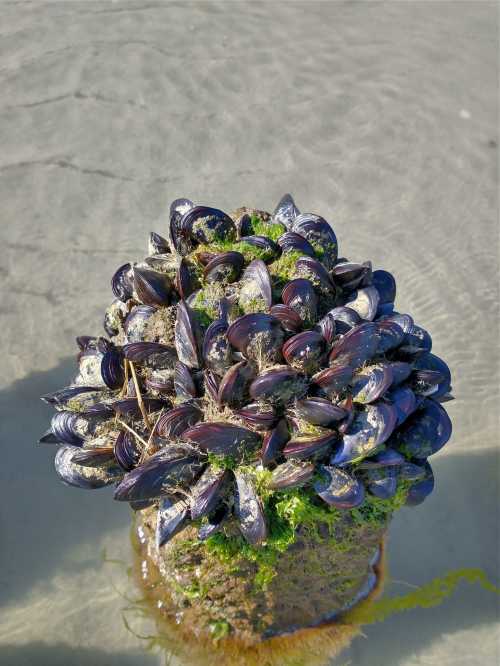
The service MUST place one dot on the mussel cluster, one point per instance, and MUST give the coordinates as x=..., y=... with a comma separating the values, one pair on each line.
x=244, y=343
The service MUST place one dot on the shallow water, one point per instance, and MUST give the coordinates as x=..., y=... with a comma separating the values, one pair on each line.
x=380, y=116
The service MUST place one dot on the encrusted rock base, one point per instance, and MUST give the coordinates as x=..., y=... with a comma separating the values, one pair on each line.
x=208, y=606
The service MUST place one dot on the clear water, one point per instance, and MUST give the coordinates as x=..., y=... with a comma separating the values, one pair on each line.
x=381, y=117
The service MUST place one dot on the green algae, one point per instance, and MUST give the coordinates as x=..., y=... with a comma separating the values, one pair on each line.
x=272, y=230
x=283, y=269
x=222, y=461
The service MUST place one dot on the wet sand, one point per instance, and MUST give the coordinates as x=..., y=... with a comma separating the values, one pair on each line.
x=382, y=117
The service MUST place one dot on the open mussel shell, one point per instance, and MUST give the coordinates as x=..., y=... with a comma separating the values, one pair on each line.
x=314, y=270
x=258, y=416
x=299, y=295
x=356, y=347
x=136, y=322
x=390, y=334
x=319, y=411
x=420, y=490
x=163, y=473
x=268, y=249
x=385, y=458
x=172, y=424
x=339, y=489
x=187, y=336
x=327, y=328
x=292, y=242
x=368, y=431
x=93, y=456
x=305, y=351
x=255, y=287
x=122, y=283
x=82, y=476
x=152, y=287
x=274, y=442
x=349, y=275
x=371, y=382
x=321, y=236
x=172, y=518
x=248, y=510
x=385, y=284
x=306, y=447
x=222, y=438
x=233, y=388
x=286, y=211
x=216, y=351
x=382, y=482
x=365, y=302
x=345, y=319
x=428, y=361
x=333, y=380
x=75, y=397
x=184, y=386
x=278, y=385
x=208, y=225
x=258, y=336
x=291, y=474
x=289, y=319
x=127, y=451
x=208, y=491
x=225, y=267
x=157, y=244
x=425, y=432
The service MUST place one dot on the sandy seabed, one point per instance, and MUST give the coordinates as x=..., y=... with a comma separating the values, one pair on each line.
x=380, y=116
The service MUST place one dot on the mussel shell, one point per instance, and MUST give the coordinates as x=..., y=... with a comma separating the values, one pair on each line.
x=187, y=336
x=81, y=476
x=136, y=322
x=75, y=395
x=385, y=458
x=257, y=335
x=319, y=411
x=333, y=380
x=93, y=456
x=368, y=431
x=208, y=225
x=48, y=437
x=224, y=267
x=112, y=369
x=404, y=401
x=129, y=407
x=184, y=385
x=184, y=282
x=365, y=302
x=305, y=351
x=161, y=474
x=382, y=482
x=233, y=388
x=307, y=447
x=274, y=442
x=208, y=491
x=214, y=522
x=327, y=328
x=356, y=347
x=278, y=385
x=291, y=474
x=258, y=416
x=345, y=319
x=371, y=382
x=320, y=234
x=349, y=275
x=420, y=490
x=157, y=244
x=390, y=335
x=216, y=351
x=222, y=438
x=426, y=382
x=411, y=472
x=152, y=287
x=425, y=432
x=121, y=283
x=400, y=372
x=160, y=380
x=292, y=242
x=404, y=321
x=385, y=284
x=299, y=295
x=339, y=489
x=64, y=428
x=313, y=270
x=179, y=237
x=172, y=518
x=211, y=385
x=126, y=450
x=286, y=211
x=248, y=510
x=153, y=354
x=428, y=361
x=255, y=285
x=172, y=424
x=289, y=319
x=416, y=341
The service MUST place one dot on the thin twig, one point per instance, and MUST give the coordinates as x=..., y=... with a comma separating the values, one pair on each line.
x=150, y=440
x=131, y=430
x=139, y=398
x=125, y=382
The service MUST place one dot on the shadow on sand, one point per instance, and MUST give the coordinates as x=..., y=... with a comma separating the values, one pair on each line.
x=41, y=519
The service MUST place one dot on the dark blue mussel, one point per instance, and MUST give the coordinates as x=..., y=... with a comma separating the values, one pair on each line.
x=274, y=442
x=356, y=347
x=208, y=490
x=179, y=237
x=208, y=225
x=278, y=385
x=83, y=476
x=385, y=284
x=321, y=236
x=172, y=517
x=305, y=351
x=420, y=490
x=291, y=474
x=319, y=411
x=286, y=211
x=221, y=438
x=338, y=488
x=425, y=432
x=292, y=242
x=248, y=510
x=382, y=482
x=365, y=302
x=300, y=296
x=152, y=287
